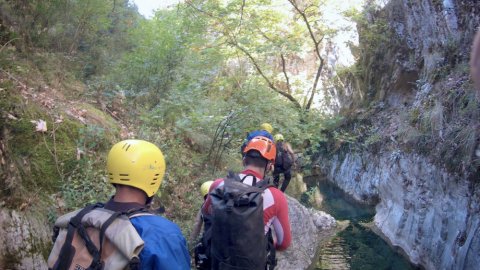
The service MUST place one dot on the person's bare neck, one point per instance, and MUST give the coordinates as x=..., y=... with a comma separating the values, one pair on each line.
x=127, y=194
x=258, y=170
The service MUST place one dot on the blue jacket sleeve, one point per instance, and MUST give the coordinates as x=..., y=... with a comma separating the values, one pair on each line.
x=165, y=247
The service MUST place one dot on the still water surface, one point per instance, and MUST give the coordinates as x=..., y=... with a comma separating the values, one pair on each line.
x=357, y=247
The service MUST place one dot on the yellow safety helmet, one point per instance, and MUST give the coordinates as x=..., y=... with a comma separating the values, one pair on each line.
x=267, y=127
x=205, y=187
x=136, y=163
x=278, y=137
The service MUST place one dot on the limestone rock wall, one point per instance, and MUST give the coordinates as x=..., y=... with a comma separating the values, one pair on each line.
x=418, y=39
x=24, y=240
x=422, y=176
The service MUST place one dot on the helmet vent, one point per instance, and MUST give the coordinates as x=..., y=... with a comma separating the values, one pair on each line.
x=124, y=177
x=126, y=145
x=153, y=183
x=154, y=179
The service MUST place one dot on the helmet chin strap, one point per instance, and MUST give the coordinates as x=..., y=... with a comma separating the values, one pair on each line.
x=148, y=202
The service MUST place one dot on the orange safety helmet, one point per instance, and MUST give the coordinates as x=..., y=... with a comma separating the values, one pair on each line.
x=264, y=146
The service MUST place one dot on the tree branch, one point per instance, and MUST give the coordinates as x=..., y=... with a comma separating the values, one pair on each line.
x=270, y=83
x=316, y=44
x=241, y=15
x=314, y=88
x=233, y=42
x=285, y=73
x=309, y=27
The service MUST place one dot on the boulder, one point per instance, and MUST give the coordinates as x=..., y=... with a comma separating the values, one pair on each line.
x=309, y=228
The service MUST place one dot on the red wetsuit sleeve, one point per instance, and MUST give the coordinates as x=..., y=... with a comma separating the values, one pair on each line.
x=282, y=222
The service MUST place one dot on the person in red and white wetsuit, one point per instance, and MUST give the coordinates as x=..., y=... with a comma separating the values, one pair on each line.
x=258, y=159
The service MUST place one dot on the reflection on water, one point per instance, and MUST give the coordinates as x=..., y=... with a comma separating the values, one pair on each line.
x=357, y=247
x=341, y=206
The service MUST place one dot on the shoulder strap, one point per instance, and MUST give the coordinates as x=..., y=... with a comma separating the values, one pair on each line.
x=67, y=251
x=264, y=184
x=134, y=264
x=104, y=227
x=137, y=212
x=254, y=181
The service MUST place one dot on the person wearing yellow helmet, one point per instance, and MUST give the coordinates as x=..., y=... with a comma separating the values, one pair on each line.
x=136, y=169
x=136, y=164
x=267, y=127
x=205, y=187
x=283, y=162
x=278, y=137
x=200, y=219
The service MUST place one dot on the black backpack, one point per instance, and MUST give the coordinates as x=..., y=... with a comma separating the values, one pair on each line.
x=236, y=238
x=283, y=158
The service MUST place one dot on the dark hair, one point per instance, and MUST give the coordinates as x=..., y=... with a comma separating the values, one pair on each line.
x=254, y=158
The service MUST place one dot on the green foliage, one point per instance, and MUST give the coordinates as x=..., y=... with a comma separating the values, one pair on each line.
x=39, y=160
x=373, y=139
x=266, y=36
x=86, y=184
x=93, y=32
x=375, y=35
x=374, y=32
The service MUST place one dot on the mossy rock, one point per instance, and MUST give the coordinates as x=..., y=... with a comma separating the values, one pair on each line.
x=40, y=159
x=101, y=119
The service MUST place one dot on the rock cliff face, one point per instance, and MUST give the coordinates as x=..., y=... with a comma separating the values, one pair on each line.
x=407, y=41
x=309, y=228
x=432, y=215
x=24, y=239
x=418, y=125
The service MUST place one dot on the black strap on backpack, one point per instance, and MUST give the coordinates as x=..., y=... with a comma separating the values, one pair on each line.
x=105, y=225
x=67, y=252
x=254, y=181
x=272, y=256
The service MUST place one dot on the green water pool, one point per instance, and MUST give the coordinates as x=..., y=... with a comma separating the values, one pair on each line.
x=356, y=247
